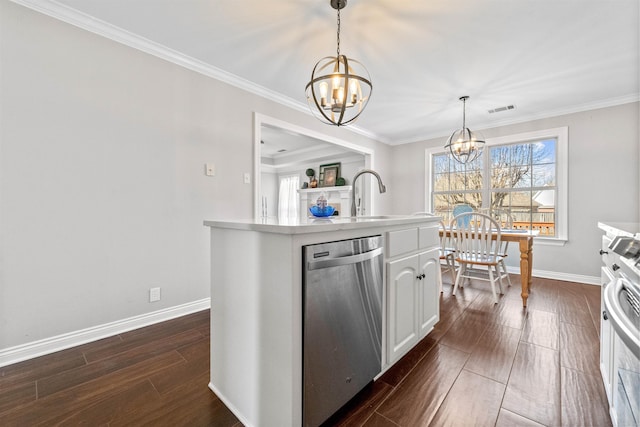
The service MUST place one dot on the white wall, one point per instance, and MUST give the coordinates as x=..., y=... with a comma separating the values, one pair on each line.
x=270, y=187
x=603, y=181
x=102, y=185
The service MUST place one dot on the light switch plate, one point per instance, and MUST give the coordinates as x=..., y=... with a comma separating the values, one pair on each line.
x=209, y=169
x=247, y=178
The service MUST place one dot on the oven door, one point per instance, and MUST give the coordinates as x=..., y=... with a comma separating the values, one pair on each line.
x=622, y=303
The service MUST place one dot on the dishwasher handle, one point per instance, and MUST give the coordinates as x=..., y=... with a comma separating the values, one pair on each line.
x=351, y=259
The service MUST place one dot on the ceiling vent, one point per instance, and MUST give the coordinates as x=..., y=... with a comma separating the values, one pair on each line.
x=501, y=109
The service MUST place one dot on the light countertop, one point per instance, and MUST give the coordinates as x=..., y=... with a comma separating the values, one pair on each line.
x=629, y=229
x=319, y=225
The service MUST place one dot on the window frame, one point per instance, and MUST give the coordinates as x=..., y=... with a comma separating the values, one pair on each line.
x=561, y=135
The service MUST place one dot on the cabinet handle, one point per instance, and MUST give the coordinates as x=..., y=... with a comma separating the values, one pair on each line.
x=419, y=277
x=605, y=316
x=602, y=252
x=423, y=275
x=615, y=267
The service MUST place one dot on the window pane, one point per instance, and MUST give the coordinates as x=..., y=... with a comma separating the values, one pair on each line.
x=544, y=175
x=474, y=180
x=544, y=151
x=458, y=181
x=520, y=177
x=442, y=206
x=511, y=177
x=519, y=204
x=520, y=154
x=500, y=156
x=544, y=212
x=474, y=200
x=440, y=164
x=441, y=182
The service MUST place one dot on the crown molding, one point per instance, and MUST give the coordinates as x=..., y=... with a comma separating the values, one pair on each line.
x=89, y=23
x=605, y=103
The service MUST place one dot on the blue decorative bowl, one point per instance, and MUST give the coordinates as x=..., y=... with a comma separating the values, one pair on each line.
x=321, y=212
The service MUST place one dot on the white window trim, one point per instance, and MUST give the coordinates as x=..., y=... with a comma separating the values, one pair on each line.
x=561, y=134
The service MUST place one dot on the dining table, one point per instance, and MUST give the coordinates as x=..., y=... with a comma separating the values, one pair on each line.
x=525, y=244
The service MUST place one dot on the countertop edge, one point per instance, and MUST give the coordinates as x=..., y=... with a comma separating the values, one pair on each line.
x=629, y=229
x=319, y=225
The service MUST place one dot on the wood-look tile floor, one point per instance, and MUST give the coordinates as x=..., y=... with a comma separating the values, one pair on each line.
x=482, y=365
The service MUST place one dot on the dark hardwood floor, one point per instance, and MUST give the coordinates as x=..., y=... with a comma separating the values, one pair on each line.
x=482, y=365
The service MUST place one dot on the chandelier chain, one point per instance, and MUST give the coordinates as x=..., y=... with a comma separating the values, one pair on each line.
x=464, y=113
x=338, y=34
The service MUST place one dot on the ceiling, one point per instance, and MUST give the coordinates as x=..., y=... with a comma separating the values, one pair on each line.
x=545, y=57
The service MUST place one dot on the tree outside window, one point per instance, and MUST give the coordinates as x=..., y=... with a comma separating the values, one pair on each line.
x=513, y=182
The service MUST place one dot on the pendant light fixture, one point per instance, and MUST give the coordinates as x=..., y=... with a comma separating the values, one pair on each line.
x=465, y=146
x=340, y=88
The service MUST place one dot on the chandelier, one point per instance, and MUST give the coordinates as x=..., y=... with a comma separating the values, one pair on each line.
x=465, y=146
x=340, y=88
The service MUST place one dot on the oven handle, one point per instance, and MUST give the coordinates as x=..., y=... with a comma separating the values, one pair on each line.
x=623, y=326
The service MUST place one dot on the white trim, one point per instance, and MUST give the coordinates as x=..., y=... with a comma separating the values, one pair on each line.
x=558, y=275
x=548, y=241
x=33, y=349
x=230, y=405
x=94, y=25
x=428, y=184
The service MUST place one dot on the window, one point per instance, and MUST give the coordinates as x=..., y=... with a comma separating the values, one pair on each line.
x=288, y=196
x=524, y=176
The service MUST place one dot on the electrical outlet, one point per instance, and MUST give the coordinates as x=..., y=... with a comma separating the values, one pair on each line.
x=154, y=294
x=247, y=178
x=209, y=169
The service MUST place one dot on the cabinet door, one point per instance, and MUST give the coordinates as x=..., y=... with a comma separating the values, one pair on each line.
x=404, y=298
x=429, y=292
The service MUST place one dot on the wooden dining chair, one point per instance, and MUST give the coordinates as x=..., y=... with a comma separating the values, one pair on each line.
x=447, y=252
x=477, y=244
x=505, y=219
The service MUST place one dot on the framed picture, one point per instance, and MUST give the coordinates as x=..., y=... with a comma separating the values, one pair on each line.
x=329, y=173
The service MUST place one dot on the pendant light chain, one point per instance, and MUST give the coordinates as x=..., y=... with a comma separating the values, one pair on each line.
x=464, y=113
x=338, y=34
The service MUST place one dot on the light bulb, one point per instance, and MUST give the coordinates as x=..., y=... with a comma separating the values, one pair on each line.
x=336, y=81
x=324, y=88
x=353, y=87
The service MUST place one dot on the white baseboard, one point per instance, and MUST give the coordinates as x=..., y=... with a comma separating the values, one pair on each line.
x=33, y=349
x=230, y=406
x=555, y=275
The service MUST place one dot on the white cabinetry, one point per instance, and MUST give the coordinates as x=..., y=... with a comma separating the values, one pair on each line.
x=609, y=353
x=256, y=316
x=414, y=300
x=429, y=291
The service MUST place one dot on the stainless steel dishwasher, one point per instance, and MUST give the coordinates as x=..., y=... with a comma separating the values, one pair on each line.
x=342, y=323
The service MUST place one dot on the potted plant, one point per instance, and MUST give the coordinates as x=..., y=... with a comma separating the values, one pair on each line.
x=313, y=183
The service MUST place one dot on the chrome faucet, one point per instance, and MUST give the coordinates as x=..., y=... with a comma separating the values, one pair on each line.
x=381, y=187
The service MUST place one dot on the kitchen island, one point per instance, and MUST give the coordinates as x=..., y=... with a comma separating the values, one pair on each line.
x=256, y=303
